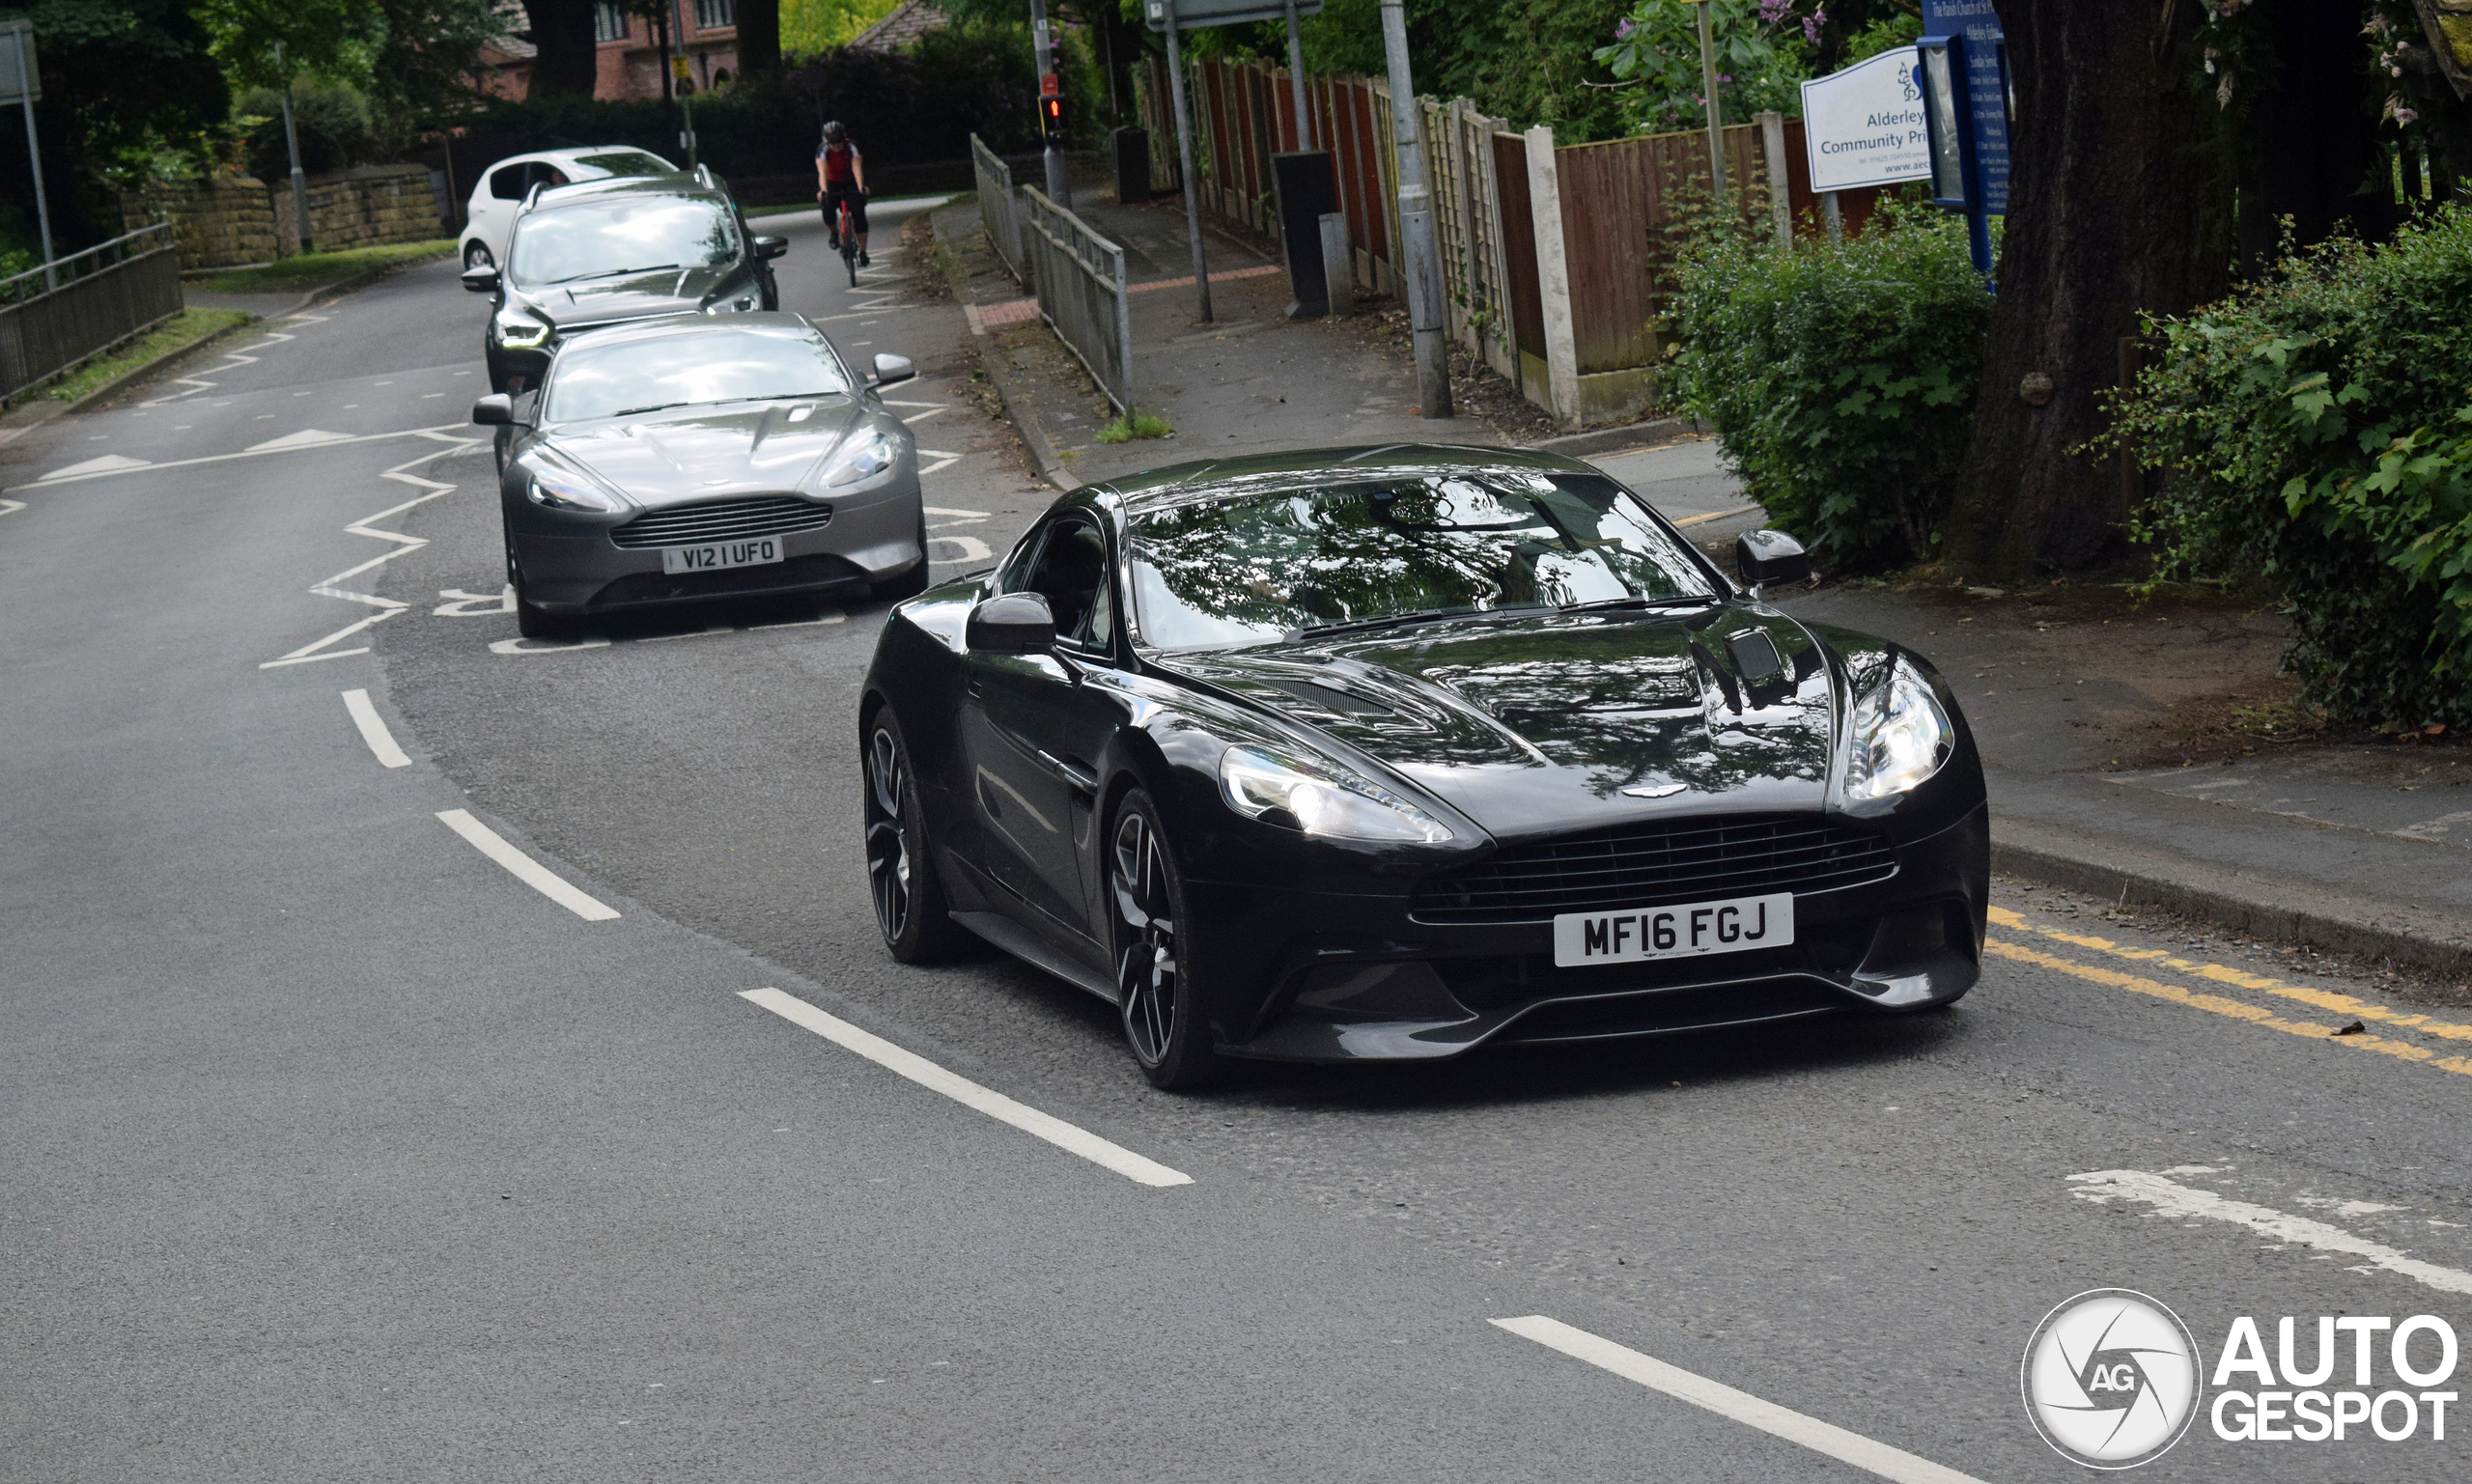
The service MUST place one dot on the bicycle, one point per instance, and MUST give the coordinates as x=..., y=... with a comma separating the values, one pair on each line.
x=843, y=229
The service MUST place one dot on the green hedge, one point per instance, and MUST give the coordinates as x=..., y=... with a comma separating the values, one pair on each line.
x=1840, y=377
x=2317, y=433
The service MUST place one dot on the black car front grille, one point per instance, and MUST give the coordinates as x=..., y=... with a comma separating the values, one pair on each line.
x=1651, y=865
x=690, y=525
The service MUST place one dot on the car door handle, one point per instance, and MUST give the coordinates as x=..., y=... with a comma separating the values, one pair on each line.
x=1079, y=777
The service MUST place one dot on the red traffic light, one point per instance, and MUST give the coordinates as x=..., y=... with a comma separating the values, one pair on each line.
x=1051, y=109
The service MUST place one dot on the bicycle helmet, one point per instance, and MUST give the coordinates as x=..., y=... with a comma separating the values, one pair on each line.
x=834, y=132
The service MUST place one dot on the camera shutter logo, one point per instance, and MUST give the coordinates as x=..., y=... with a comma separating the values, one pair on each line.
x=2111, y=1378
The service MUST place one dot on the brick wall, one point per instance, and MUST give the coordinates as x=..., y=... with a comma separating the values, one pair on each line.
x=230, y=221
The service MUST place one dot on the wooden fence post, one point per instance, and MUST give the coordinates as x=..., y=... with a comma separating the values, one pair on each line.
x=1772, y=139
x=1553, y=278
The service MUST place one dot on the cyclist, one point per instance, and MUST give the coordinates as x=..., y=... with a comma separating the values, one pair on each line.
x=841, y=176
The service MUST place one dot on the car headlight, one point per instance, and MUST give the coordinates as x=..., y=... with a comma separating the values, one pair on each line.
x=739, y=305
x=559, y=490
x=518, y=332
x=1901, y=736
x=1321, y=798
x=864, y=457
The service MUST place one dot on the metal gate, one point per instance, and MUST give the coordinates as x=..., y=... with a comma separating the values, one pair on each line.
x=999, y=210
x=1079, y=279
x=106, y=294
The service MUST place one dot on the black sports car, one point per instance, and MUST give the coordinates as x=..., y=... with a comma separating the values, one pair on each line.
x=1393, y=753
x=607, y=252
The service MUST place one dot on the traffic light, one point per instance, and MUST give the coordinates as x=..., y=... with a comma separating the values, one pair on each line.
x=1051, y=107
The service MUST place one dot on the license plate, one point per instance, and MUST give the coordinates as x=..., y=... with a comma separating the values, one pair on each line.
x=1733, y=926
x=719, y=556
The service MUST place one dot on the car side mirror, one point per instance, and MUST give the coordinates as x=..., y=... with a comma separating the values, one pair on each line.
x=495, y=411
x=1014, y=624
x=1763, y=557
x=893, y=368
x=481, y=280
x=770, y=247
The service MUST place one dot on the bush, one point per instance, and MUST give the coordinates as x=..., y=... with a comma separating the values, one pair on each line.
x=2317, y=431
x=331, y=119
x=1840, y=377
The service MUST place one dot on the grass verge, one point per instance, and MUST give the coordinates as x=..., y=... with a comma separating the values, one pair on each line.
x=311, y=270
x=186, y=329
x=1142, y=425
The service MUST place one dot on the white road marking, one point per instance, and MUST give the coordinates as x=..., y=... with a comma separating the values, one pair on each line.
x=566, y=646
x=106, y=464
x=387, y=608
x=961, y=1089
x=463, y=604
x=233, y=360
x=306, y=438
x=539, y=647
x=372, y=730
x=1740, y=1406
x=920, y=417
x=11, y=507
x=2172, y=1199
x=2431, y=829
x=523, y=867
x=441, y=430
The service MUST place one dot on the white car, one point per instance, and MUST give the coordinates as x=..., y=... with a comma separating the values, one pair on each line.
x=490, y=216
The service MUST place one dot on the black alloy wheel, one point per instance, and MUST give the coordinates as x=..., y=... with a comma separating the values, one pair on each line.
x=901, y=873
x=1163, y=1022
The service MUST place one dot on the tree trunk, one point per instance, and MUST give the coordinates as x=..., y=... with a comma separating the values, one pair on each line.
x=759, y=37
x=2119, y=203
x=2313, y=146
x=566, y=61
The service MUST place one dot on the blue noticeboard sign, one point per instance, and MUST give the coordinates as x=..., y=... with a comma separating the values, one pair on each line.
x=1986, y=69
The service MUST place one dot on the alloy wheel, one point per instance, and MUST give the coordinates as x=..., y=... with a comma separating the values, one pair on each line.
x=1147, y=982
x=888, y=853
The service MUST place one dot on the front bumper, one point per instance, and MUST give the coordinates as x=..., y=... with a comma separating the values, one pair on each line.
x=572, y=567
x=1344, y=978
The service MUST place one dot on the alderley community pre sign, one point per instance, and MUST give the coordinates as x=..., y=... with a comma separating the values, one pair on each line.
x=1863, y=126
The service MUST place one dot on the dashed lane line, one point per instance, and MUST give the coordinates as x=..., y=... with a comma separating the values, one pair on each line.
x=372, y=730
x=2170, y=1198
x=961, y=1089
x=261, y=451
x=1863, y=1453
x=488, y=842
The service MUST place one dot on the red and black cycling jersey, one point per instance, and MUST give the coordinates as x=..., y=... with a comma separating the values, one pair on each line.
x=840, y=161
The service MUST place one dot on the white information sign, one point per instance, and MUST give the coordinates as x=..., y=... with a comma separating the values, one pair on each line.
x=1863, y=126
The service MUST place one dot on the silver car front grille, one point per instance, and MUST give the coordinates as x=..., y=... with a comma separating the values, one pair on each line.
x=688, y=525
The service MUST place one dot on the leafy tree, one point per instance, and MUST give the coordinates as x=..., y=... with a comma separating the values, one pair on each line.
x=1759, y=47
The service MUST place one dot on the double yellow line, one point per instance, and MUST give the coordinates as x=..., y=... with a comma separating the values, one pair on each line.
x=2365, y=1012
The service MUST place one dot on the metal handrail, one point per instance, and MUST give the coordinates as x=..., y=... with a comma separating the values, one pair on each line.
x=11, y=292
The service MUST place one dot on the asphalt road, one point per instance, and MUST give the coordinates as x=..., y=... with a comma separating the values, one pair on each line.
x=334, y=1150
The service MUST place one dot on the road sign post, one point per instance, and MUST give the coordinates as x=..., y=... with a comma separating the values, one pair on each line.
x=18, y=76
x=1963, y=66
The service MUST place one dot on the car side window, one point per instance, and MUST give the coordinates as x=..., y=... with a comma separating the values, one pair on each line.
x=1071, y=574
x=511, y=182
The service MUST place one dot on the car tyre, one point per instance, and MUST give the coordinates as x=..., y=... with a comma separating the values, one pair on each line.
x=1154, y=971
x=532, y=620
x=908, y=897
x=476, y=254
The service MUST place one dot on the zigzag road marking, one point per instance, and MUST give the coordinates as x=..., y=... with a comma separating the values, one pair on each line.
x=234, y=360
x=387, y=608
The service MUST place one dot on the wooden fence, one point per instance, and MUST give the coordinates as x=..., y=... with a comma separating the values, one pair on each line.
x=1554, y=256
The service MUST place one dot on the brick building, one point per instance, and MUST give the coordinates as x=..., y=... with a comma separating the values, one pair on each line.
x=705, y=32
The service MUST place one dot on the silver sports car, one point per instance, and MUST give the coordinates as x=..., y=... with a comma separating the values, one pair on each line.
x=692, y=457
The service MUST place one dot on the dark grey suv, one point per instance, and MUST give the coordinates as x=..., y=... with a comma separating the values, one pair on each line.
x=609, y=252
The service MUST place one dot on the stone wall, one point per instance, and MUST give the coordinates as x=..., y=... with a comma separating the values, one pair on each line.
x=217, y=222
x=231, y=220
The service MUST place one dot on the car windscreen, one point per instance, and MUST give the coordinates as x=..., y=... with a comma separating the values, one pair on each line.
x=628, y=234
x=1255, y=568
x=716, y=365
x=626, y=162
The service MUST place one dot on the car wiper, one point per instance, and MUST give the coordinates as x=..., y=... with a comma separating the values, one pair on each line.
x=1386, y=620
x=649, y=267
x=1601, y=604
x=657, y=406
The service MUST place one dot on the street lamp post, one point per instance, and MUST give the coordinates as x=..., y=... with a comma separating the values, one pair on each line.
x=291, y=144
x=1416, y=223
x=1716, y=124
